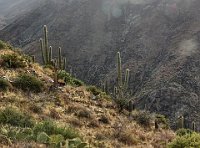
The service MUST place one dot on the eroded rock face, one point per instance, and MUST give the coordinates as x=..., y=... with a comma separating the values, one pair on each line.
x=158, y=40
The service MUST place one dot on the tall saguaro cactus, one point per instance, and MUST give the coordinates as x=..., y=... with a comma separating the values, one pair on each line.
x=180, y=122
x=50, y=54
x=64, y=63
x=42, y=50
x=119, y=66
x=193, y=126
x=59, y=58
x=46, y=47
x=126, y=78
x=47, y=52
x=121, y=94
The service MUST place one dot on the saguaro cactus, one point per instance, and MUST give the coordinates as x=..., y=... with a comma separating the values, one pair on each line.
x=33, y=58
x=115, y=91
x=64, y=63
x=59, y=58
x=50, y=54
x=180, y=122
x=46, y=44
x=193, y=126
x=42, y=50
x=119, y=66
x=47, y=53
x=121, y=94
x=127, y=78
x=130, y=107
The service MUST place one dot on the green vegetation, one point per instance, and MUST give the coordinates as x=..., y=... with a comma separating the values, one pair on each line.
x=13, y=61
x=143, y=118
x=183, y=131
x=36, y=109
x=68, y=79
x=28, y=82
x=19, y=126
x=4, y=84
x=15, y=118
x=51, y=128
x=161, y=119
x=4, y=45
x=94, y=90
x=185, y=139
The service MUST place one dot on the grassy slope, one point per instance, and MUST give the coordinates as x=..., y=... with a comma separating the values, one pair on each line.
x=65, y=106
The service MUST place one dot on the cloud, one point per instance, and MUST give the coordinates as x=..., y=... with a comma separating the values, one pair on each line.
x=188, y=47
x=113, y=7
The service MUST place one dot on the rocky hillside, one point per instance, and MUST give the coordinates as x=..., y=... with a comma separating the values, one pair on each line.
x=11, y=10
x=35, y=114
x=158, y=39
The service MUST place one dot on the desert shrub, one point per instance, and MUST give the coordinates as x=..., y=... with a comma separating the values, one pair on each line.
x=94, y=90
x=13, y=61
x=49, y=66
x=4, y=45
x=191, y=140
x=76, y=142
x=104, y=119
x=35, y=108
x=28, y=82
x=54, y=114
x=56, y=139
x=5, y=140
x=23, y=134
x=121, y=103
x=143, y=118
x=76, y=122
x=77, y=82
x=127, y=138
x=42, y=138
x=161, y=119
x=51, y=128
x=68, y=79
x=83, y=113
x=183, y=131
x=94, y=123
x=15, y=118
x=4, y=84
x=65, y=76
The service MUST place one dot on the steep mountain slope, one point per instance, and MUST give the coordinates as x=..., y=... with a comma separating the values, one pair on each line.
x=26, y=111
x=158, y=39
x=10, y=10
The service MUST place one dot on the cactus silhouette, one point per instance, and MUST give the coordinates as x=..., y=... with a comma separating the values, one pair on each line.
x=120, y=91
x=33, y=58
x=180, y=122
x=119, y=66
x=64, y=63
x=193, y=126
x=42, y=50
x=50, y=54
x=46, y=44
x=130, y=107
x=59, y=58
x=47, y=53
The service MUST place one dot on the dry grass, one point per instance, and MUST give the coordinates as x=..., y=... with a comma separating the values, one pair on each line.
x=76, y=108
